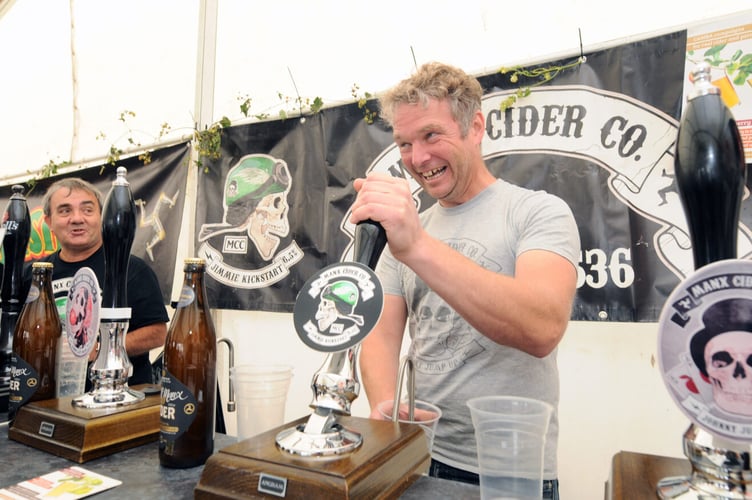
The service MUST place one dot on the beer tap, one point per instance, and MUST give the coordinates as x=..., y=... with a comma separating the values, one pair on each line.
x=16, y=226
x=112, y=368
x=336, y=384
x=711, y=177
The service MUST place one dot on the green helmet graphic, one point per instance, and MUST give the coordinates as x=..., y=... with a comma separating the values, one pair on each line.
x=248, y=182
x=344, y=295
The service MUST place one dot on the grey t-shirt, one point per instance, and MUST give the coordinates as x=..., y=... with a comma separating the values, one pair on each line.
x=453, y=361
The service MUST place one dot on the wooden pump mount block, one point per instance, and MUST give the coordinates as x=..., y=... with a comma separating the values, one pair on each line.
x=393, y=455
x=82, y=434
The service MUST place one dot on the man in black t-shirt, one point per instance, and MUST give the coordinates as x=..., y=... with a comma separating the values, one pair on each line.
x=73, y=211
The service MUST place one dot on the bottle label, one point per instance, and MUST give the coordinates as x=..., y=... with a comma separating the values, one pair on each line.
x=33, y=294
x=24, y=382
x=187, y=296
x=177, y=410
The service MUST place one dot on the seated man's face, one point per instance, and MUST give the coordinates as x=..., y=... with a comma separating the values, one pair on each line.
x=75, y=219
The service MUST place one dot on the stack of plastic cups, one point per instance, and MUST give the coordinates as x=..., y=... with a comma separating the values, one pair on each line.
x=261, y=394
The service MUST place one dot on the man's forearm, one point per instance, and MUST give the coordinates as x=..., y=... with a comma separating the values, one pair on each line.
x=378, y=366
x=144, y=339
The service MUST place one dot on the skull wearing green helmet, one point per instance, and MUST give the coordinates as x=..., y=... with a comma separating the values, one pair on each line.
x=250, y=181
x=344, y=295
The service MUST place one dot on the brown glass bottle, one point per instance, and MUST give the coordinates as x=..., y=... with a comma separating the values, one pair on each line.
x=189, y=379
x=35, y=342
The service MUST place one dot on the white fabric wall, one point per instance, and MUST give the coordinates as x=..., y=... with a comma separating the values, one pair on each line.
x=141, y=56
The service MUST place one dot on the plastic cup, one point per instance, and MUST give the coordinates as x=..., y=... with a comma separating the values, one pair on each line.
x=70, y=376
x=510, y=433
x=425, y=414
x=260, y=395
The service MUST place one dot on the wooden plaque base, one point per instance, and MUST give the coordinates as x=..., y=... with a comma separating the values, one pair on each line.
x=82, y=434
x=393, y=455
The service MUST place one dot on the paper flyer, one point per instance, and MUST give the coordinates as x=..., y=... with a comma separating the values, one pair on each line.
x=727, y=47
x=64, y=484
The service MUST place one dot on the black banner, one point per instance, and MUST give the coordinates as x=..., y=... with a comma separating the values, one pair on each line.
x=273, y=210
x=159, y=192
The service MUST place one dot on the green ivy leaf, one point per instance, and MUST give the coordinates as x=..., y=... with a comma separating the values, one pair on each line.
x=714, y=51
x=317, y=104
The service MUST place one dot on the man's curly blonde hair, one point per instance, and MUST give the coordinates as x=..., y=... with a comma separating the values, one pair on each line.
x=436, y=81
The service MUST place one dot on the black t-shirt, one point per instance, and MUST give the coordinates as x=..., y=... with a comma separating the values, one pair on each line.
x=144, y=297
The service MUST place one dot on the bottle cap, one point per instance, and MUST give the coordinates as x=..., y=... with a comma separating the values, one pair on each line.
x=194, y=262
x=41, y=265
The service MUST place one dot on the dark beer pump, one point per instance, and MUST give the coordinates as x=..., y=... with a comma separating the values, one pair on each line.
x=112, y=368
x=118, y=233
x=17, y=226
x=335, y=386
x=335, y=310
x=711, y=175
x=710, y=171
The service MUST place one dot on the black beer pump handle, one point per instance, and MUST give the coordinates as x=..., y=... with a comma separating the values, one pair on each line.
x=17, y=223
x=370, y=240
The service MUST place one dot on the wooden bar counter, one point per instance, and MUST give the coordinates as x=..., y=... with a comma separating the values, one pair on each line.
x=634, y=476
x=144, y=478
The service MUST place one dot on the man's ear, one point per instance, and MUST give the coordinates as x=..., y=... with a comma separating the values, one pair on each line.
x=478, y=126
